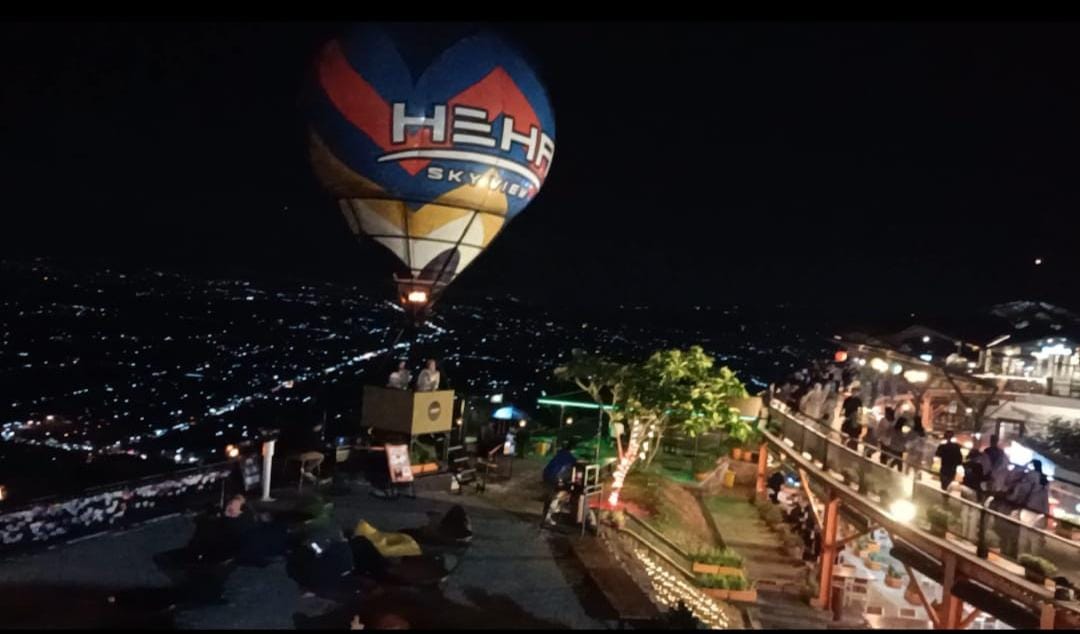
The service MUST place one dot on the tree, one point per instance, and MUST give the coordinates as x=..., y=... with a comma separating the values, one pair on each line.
x=672, y=389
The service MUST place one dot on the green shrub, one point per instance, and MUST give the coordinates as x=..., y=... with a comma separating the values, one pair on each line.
x=719, y=557
x=718, y=582
x=939, y=516
x=1037, y=564
x=773, y=516
x=894, y=573
x=703, y=464
x=791, y=540
x=735, y=582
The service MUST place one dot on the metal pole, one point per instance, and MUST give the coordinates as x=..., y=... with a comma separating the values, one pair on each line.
x=268, y=460
x=599, y=426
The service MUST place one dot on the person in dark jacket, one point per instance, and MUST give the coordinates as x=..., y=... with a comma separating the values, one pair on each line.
x=973, y=473
x=950, y=455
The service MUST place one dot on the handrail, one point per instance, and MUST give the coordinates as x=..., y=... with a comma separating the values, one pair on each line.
x=980, y=508
x=101, y=488
x=667, y=542
x=799, y=416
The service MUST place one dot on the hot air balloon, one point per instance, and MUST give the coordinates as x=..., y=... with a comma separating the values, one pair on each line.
x=432, y=168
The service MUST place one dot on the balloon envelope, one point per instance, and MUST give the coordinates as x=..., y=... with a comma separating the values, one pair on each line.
x=430, y=162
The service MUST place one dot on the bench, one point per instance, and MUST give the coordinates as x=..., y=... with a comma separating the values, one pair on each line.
x=629, y=603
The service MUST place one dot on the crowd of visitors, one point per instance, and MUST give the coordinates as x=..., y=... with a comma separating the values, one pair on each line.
x=830, y=393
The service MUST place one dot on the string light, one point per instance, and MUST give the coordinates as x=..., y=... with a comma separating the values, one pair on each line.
x=670, y=589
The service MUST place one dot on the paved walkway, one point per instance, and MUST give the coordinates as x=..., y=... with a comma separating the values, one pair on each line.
x=513, y=576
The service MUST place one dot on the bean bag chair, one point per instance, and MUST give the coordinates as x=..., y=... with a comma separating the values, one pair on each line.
x=388, y=544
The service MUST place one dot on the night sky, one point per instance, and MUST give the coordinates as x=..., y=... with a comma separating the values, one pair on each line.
x=849, y=166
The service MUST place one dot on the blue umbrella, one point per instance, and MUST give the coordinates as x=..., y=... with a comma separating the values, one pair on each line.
x=509, y=413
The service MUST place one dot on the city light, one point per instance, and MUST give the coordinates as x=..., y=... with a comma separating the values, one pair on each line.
x=521, y=423
x=569, y=420
x=926, y=339
x=232, y=451
x=896, y=368
x=902, y=510
x=879, y=364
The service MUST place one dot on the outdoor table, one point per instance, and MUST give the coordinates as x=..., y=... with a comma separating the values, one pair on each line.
x=880, y=622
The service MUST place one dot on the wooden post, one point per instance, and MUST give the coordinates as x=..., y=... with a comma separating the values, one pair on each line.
x=828, y=553
x=1046, y=616
x=762, y=463
x=969, y=619
x=951, y=606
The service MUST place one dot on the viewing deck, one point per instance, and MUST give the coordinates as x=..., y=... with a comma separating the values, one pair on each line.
x=995, y=584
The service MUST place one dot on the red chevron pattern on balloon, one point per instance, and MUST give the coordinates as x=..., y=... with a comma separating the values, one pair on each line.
x=361, y=105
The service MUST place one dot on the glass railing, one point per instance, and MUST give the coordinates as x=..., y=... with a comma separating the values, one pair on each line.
x=968, y=524
x=109, y=507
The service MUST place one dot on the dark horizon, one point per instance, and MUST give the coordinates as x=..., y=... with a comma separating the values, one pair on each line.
x=876, y=168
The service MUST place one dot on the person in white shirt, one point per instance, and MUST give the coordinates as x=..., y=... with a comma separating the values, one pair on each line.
x=400, y=378
x=428, y=381
x=813, y=401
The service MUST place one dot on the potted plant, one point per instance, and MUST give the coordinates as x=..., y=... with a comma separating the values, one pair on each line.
x=717, y=561
x=702, y=467
x=811, y=587
x=875, y=561
x=1036, y=569
x=862, y=547
x=993, y=542
x=773, y=516
x=741, y=589
x=714, y=585
x=1066, y=528
x=793, y=544
x=894, y=578
x=939, y=519
x=851, y=477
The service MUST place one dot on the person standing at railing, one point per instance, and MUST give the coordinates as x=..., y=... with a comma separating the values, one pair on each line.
x=813, y=401
x=920, y=448
x=832, y=400
x=995, y=467
x=898, y=443
x=951, y=457
x=884, y=431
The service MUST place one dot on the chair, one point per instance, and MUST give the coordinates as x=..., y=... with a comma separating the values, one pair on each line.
x=388, y=544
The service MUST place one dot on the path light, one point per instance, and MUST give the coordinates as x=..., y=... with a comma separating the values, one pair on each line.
x=569, y=420
x=902, y=510
x=521, y=423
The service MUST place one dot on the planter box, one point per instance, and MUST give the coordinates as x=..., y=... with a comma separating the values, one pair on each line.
x=720, y=594
x=743, y=596
x=872, y=565
x=1034, y=576
x=427, y=467
x=1067, y=530
x=714, y=569
x=894, y=582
